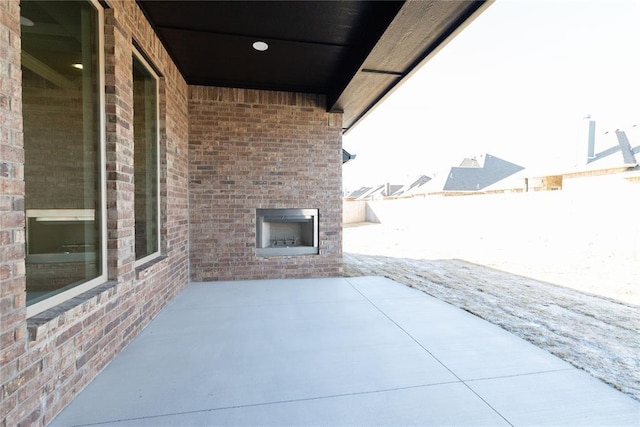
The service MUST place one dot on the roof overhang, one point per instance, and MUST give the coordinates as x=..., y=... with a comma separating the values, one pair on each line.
x=418, y=32
x=355, y=53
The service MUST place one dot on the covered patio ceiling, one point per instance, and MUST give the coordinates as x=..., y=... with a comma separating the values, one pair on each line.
x=354, y=52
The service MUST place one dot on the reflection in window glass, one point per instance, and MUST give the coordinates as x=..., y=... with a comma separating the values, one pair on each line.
x=61, y=111
x=145, y=136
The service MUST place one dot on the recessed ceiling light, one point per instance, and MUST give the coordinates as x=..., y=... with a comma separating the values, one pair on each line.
x=260, y=46
x=26, y=22
x=77, y=66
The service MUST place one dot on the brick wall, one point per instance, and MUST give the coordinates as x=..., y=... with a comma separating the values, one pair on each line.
x=47, y=359
x=249, y=150
x=13, y=342
x=252, y=149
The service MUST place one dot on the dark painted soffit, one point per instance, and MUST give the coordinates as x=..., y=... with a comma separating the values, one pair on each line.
x=353, y=52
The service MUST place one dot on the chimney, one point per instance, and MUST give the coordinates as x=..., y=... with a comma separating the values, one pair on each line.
x=625, y=148
x=591, y=141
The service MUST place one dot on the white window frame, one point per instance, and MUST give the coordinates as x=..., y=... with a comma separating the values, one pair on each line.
x=61, y=297
x=151, y=71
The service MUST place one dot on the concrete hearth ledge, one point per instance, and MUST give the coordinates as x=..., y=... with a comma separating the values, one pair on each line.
x=340, y=351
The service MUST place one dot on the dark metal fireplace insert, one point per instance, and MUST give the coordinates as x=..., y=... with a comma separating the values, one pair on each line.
x=284, y=232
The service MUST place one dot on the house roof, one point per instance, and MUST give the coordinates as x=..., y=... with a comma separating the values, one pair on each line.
x=371, y=192
x=353, y=52
x=479, y=173
x=392, y=190
x=359, y=192
x=413, y=188
x=512, y=182
x=366, y=193
x=614, y=149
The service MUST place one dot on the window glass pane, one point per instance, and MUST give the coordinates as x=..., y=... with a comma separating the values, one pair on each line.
x=145, y=136
x=61, y=104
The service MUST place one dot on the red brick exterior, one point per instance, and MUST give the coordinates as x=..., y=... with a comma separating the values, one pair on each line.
x=15, y=368
x=248, y=149
x=47, y=359
x=252, y=149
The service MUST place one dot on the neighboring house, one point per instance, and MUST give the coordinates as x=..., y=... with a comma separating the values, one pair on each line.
x=606, y=153
x=373, y=193
x=478, y=173
x=415, y=188
x=388, y=190
x=355, y=195
x=612, y=149
x=147, y=144
x=517, y=183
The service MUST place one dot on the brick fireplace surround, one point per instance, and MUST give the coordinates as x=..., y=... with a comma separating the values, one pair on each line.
x=253, y=150
x=224, y=153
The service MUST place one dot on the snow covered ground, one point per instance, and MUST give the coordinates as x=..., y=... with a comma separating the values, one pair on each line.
x=586, y=237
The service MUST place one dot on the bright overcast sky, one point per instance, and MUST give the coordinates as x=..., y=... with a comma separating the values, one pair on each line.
x=516, y=83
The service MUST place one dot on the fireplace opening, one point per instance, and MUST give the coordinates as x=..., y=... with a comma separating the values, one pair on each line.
x=283, y=232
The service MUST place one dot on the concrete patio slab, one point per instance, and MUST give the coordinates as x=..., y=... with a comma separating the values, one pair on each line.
x=469, y=346
x=340, y=351
x=562, y=398
x=445, y=404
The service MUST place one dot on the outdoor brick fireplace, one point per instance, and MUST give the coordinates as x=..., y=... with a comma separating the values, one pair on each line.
x=282, y=232
x=265, y=178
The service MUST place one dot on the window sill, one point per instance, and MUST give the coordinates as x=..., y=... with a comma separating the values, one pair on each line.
x=49, y=321
x=43, y=323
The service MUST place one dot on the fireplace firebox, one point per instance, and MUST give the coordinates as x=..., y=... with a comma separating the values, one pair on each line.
x=286, y=232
